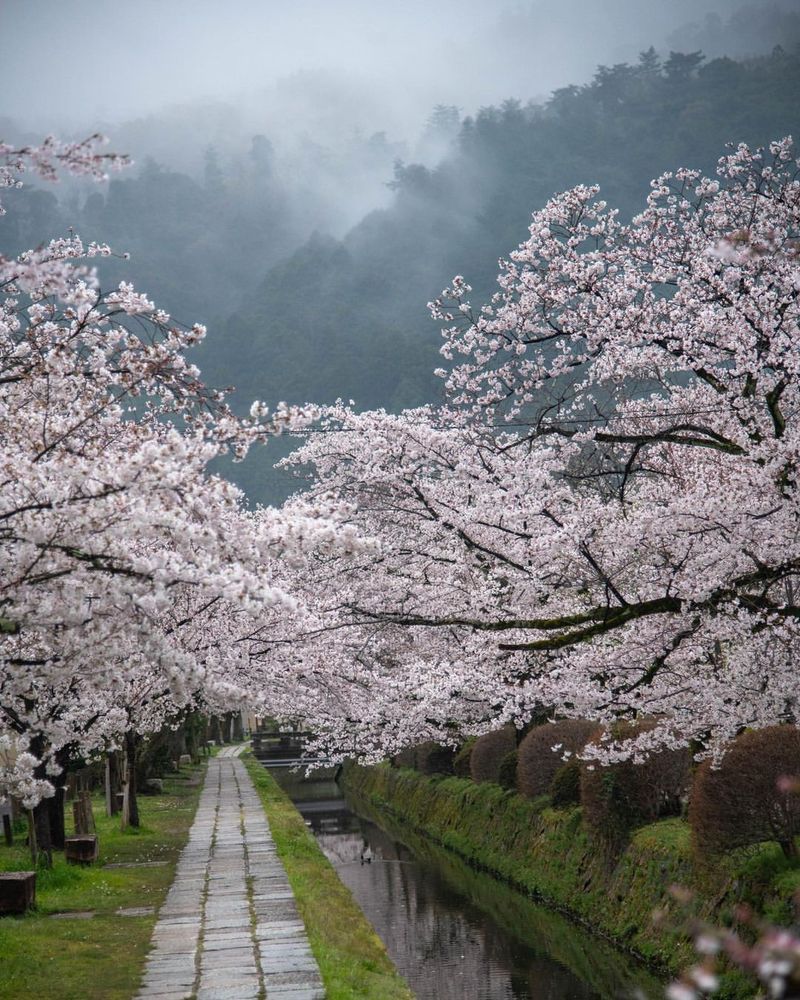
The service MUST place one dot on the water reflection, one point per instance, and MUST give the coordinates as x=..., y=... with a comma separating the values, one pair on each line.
x=455, y=933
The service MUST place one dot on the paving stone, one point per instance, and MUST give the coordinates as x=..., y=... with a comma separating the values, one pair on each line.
x=229, y=927
x=156, y=993
x=296, y=993
x=225, y=983
x=135, y=864
x=292, y=980
x=237, y=992
x=213, y=942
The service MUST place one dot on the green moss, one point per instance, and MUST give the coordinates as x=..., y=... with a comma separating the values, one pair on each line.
x=545, y=931
x=101, y=958
x=547, y=853
x=351, y=956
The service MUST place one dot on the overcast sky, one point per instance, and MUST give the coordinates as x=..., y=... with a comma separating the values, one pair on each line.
x=73, y=63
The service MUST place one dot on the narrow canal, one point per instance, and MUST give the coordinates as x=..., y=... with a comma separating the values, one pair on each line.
x=453, y=932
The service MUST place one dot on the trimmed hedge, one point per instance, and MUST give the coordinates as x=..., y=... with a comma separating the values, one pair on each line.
x=461, y=761
x=507, y=775
x=751, y=797
x=488, y=753
x=565, y=788
x=538, y=762
x=433, y=758
x=406, y=758
x=619, y=797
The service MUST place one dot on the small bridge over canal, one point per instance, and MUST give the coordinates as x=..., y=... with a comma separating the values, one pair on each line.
x=274, y=748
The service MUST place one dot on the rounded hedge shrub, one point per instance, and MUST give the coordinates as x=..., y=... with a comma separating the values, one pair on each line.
x=433, y=758
x=752, y=796
x=565, y=788
x=618, y=797
x=507, y=775
x=489, y=751
x=538, y=762
x=406, y=758
x=461, y=761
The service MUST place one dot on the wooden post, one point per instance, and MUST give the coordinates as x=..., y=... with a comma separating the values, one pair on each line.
x=124, y=814
x=5, y=812
x=116, y=784
x=82, y=814
x=32, y=836
x=8, y=833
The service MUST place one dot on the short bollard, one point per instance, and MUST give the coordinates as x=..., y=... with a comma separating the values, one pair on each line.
x=81, y=850
x=17, y=892
x=6, y=817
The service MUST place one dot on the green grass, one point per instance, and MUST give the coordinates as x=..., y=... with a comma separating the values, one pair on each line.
x=100, y=958
x=351, y=956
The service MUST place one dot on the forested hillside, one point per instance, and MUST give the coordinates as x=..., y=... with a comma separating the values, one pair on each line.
x=298, y=314
x=348, y=318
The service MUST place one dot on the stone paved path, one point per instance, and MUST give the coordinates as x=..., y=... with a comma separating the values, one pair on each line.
x=229, y=928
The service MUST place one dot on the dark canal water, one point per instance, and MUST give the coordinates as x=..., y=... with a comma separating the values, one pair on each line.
x=455, y=933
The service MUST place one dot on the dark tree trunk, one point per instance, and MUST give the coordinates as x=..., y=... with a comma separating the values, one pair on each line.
x=41, y=835
x=56, y=805
x=190, y=728
x=238, y=728
x=131, y=815
x=789, y=848
x=39, y=817
x=55, y=812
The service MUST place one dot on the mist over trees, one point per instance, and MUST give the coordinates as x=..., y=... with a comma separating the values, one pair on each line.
x=330, y=241
x=348, y=318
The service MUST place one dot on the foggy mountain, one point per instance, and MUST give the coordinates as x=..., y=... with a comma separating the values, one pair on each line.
x=308, y=177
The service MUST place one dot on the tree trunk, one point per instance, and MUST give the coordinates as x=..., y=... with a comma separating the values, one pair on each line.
x=109, y=791
x=41, y=843
x=789, y=848
x=55, y=813
x=56, y=805
x=39, y=817
x=190, y=731
x=238, y=728
x=130, y=805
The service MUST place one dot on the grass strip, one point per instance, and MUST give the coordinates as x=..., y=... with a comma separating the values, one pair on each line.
x=351, y=956
x=102, y=957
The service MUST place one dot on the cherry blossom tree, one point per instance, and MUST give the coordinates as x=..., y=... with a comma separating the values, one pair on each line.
x=603, y=517
x=128, y=568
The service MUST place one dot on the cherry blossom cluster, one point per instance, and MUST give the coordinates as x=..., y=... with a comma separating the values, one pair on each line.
x=768, y=953
x=84, y=157
x=132, y=577
x=602, y=518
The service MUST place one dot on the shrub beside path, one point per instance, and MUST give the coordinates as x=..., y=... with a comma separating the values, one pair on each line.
x=229, y=928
